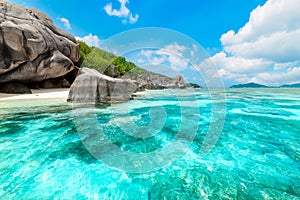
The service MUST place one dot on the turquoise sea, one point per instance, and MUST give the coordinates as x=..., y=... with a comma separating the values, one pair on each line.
x=43, y=152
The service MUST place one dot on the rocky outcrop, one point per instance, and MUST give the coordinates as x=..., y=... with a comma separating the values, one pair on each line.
x=193, y=85
x=14, y=88
x=59, y=82
x=153, y=81
x=92, y=86
x=112, y=71
x=32, y=49
x=179, y=82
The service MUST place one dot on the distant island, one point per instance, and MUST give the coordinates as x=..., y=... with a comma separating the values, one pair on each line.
x=256, y=85
x=249, y=85
x=296, y=85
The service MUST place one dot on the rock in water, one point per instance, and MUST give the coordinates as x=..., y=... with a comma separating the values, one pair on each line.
x=92, y=86
x=32, y=49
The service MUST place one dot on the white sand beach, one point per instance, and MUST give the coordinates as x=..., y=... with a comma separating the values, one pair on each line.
x=60, y=93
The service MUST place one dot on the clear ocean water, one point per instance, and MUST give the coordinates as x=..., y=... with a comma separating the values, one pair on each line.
x=256, y=156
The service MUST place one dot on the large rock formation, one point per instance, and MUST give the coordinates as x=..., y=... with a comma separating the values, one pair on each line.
x=59, y=82
x=32, y=49
x=92, y=86
x=14, y=88
x=154, y=81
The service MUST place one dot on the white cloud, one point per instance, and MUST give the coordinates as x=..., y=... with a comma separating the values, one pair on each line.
x=290, y=76
x=272, y=33
x=195, y=47
x=140, y=60
x=172, y=54
x=235, y=64
x=240, y=70
x=123, y=12
x=91, y=40
x=157, y=61
x=146, y=53
x=172, y=49
x=132, y=19
x=283, y=66
x=265, y=50
x=66, y=23
x=241, y=78
x=178, y=63
x=277, y=47
x=192, y=53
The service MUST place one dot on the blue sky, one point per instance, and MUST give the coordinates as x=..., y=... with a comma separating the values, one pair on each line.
x=204, y=21
x=247, y=40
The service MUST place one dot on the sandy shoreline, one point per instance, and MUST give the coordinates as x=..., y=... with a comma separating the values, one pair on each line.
x=48, y=94
x=59, y=93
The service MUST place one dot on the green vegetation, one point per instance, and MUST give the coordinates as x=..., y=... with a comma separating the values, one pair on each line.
x=122, y=65
x=104, y=61
x=84, y=51
x=117, y=67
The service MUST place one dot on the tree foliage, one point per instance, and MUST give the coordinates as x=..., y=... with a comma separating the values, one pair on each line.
x=84, y=51
x=103, y=61
x=122, y=65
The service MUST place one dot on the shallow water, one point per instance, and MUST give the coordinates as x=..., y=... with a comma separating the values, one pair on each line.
x=257, y=155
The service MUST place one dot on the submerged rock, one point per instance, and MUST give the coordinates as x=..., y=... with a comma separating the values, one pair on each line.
x=92, y=86
x=32, y=49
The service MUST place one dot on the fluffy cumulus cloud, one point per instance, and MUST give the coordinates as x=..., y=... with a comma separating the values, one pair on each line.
x=123, y=12
x=292, y=75
x=66, y=23
x=237, y=64
x=172, y=55
x=277, y=47
x=90, y=39
x=193, y=50
x=266, y=49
